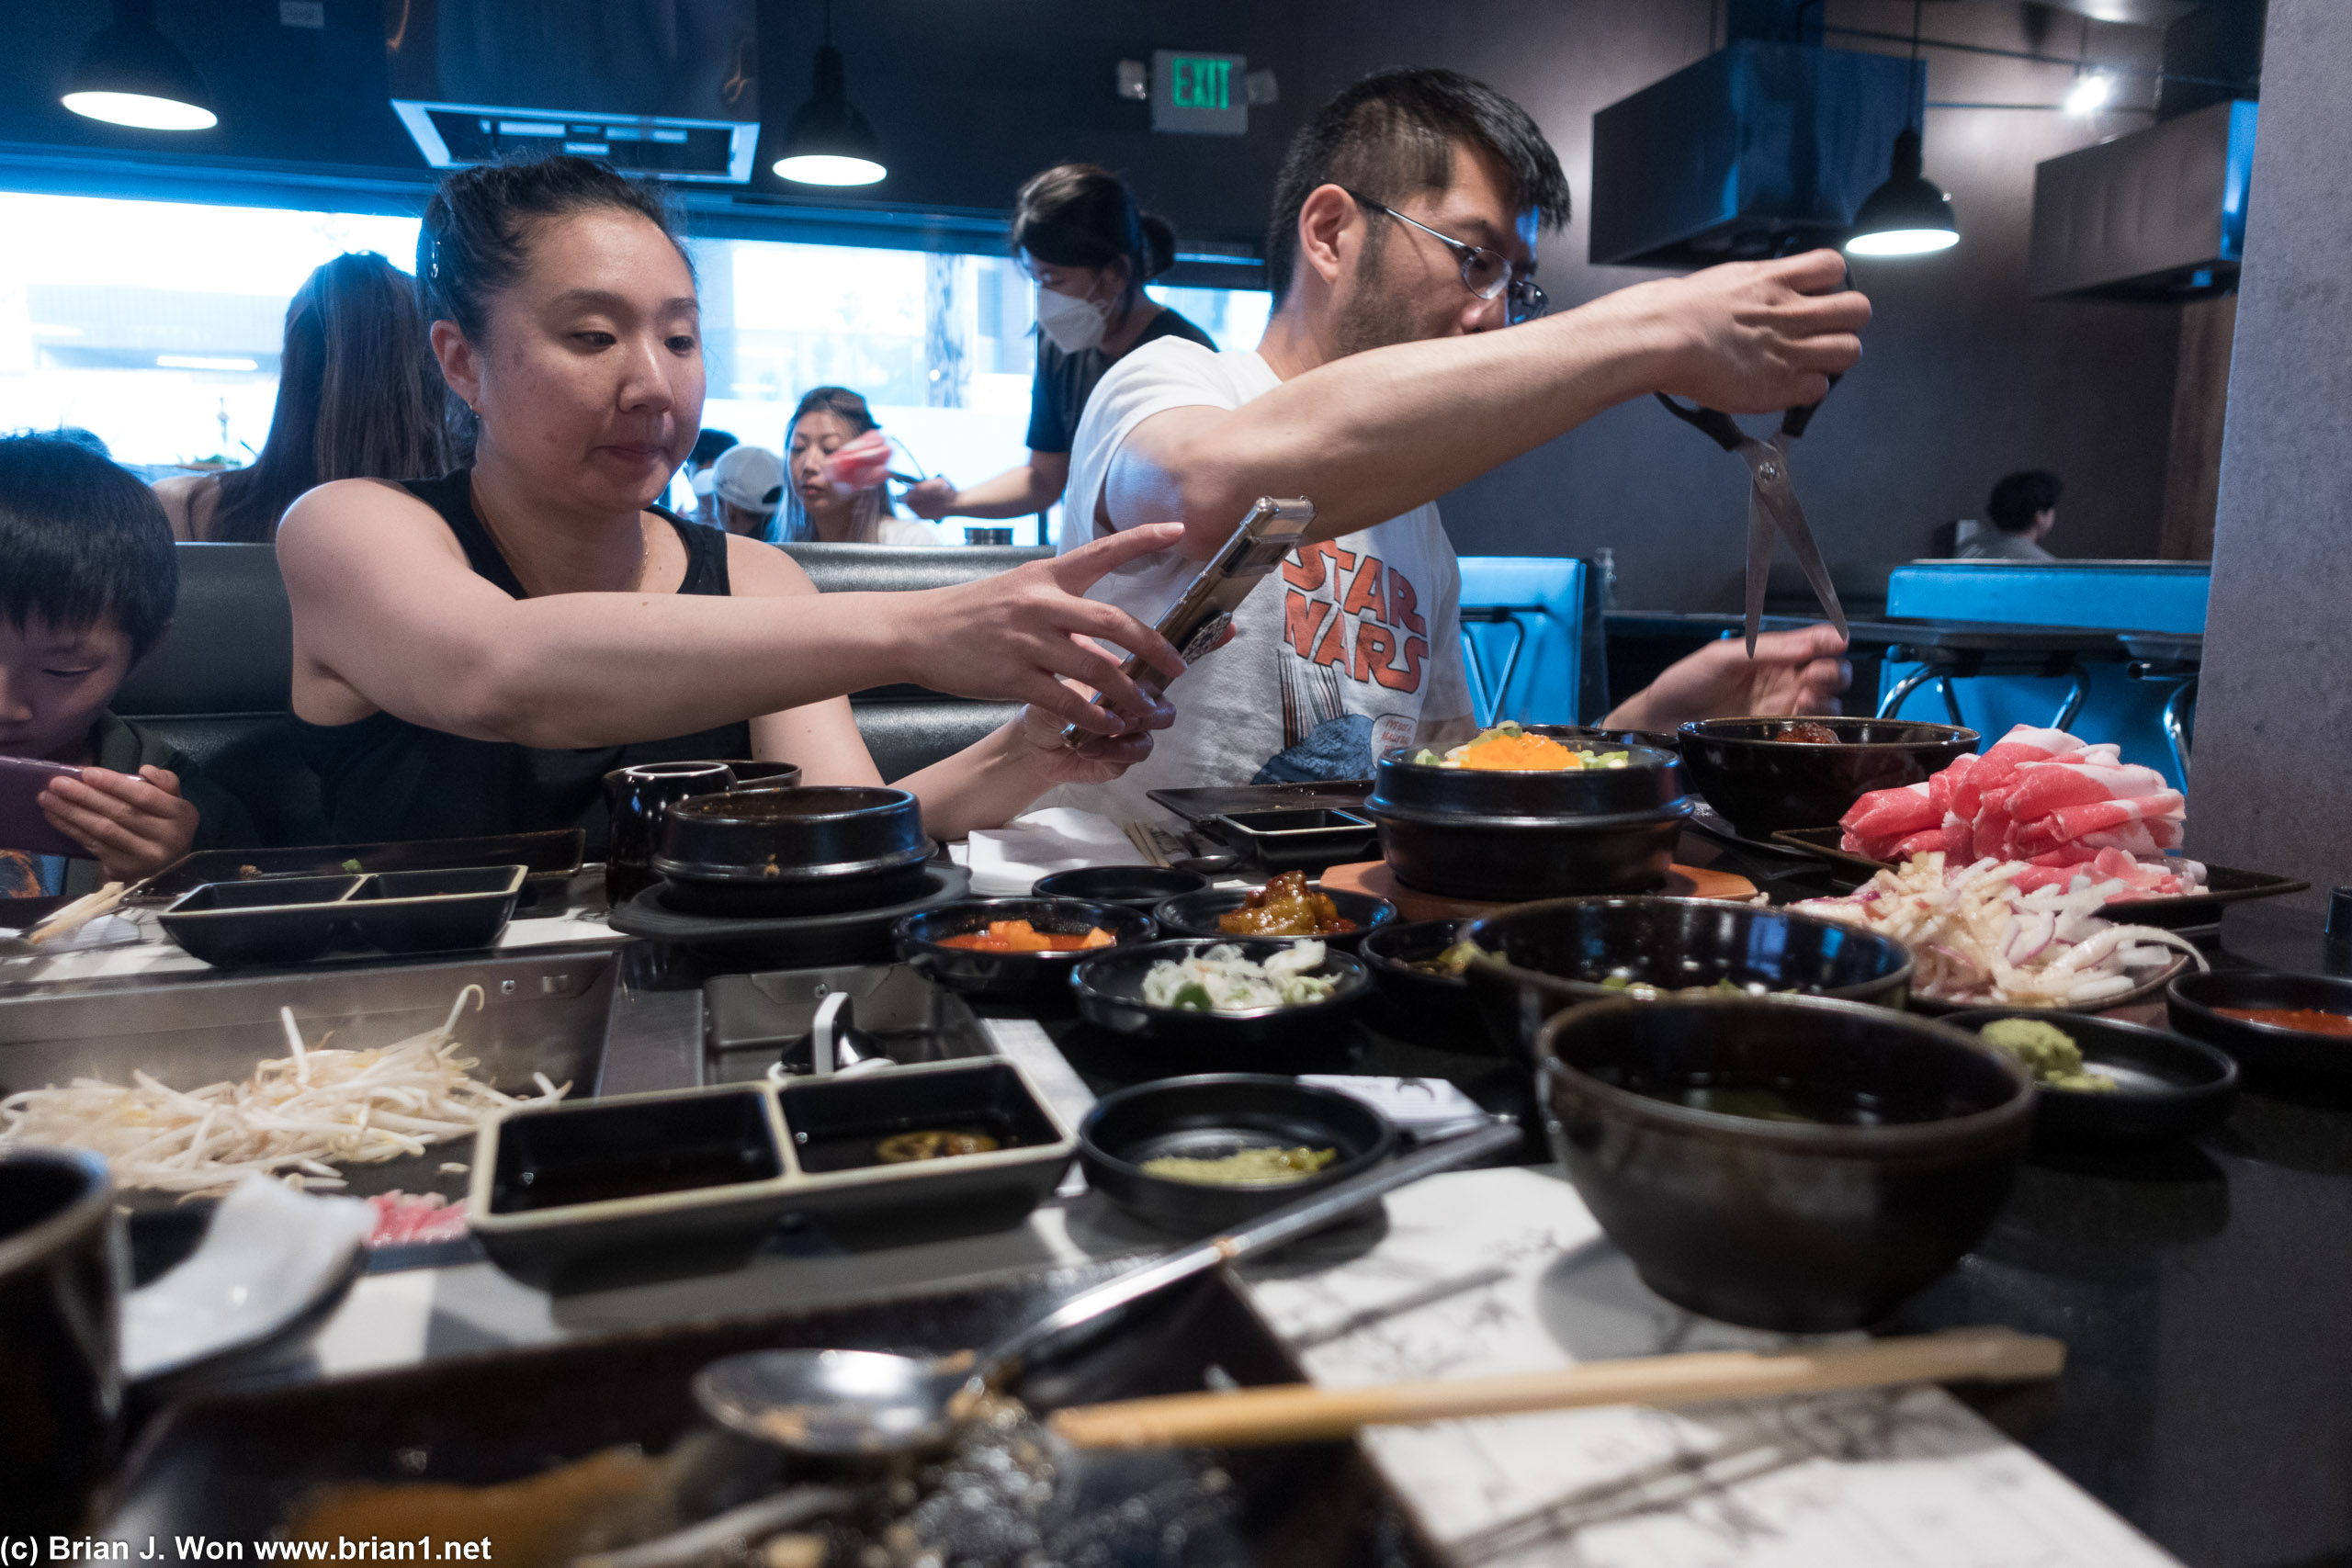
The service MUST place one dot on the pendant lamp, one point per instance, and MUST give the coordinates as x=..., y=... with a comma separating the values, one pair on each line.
x=829, y=142
x=131, y=74
x=1907, y=216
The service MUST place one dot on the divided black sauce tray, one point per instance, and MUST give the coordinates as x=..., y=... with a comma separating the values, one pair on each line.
x=290, y=919
x=589, y=1194
x=551, y=858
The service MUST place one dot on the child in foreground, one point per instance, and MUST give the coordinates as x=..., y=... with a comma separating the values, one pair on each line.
x=87, y=583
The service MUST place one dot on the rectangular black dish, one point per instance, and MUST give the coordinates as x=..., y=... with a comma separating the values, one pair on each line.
x=1303, y=795
x=860, y=1199
x=2224, y=884
x=281, y=920
x=435, y=911
x=231, y=1466
x=1309, y=839
x=551, y=858
x=591, y=1194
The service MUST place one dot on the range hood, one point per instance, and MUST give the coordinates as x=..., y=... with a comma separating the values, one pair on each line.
x=662, y=87
x=1760, y=149
x=2159, y=214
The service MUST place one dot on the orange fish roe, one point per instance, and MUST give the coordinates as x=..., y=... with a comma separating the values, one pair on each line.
x=1522, y=753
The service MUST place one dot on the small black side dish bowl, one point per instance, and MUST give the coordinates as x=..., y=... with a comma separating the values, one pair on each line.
x=1196, y=914
x=1543, y=957
x=2165, y=1087
x=2270, y=1056
x=280, y=920
x=1208, y=1116
x=1144, y=888
x=1108, y=989
x=1763, y=785
x=1436, y=1008
x=1038, y=978
x=1789, y=1163
x=435, y=911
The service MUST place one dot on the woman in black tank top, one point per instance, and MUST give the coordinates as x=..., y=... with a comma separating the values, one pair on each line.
x=472, y=653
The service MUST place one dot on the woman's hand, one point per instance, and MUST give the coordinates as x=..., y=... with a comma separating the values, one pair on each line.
x=1027, y=634
x=134, y=824
x=1794, y=673
x=1098, y=759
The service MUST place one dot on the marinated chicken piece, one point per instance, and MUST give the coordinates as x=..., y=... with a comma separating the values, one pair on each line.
x=1285, y=907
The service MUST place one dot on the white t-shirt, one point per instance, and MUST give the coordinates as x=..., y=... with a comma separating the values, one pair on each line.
x=1350, y=648
x=906, y=533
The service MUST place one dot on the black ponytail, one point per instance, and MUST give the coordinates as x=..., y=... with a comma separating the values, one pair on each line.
x=476, y=237
x=1083, y=215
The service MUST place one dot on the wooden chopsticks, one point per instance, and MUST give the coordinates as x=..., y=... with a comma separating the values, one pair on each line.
x=1294, y=1413
x=78, y=914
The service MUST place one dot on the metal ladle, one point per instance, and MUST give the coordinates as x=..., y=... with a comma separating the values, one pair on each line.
x=842, y=1404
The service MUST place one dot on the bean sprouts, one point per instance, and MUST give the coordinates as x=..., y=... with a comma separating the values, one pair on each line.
x=301, y=1114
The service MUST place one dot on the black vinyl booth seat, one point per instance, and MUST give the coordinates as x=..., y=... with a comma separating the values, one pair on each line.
x=216, y=686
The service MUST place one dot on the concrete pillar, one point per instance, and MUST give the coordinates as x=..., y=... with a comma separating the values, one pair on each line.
x=2270, y=785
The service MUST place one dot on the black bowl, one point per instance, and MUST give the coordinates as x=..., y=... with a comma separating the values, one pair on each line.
x=1467, y=834
x=1042, y=978
x=2268, y=1054
x=1214, y=1114
x=1108, y=989
x=1144, y=888
x=1434, y=1008
x=805, y=850
x=1196, y=914
x=1762, y=786
x=435, y=911
x=1802, y=1226
x=62, y=1271
x=2165, y=1087
x=1545, y=957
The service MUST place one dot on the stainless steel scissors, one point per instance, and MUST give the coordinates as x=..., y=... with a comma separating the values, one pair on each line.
x=1771, y=504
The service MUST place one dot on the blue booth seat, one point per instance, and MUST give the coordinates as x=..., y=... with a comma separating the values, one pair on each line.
x=1530, y=640
x=2114, y=595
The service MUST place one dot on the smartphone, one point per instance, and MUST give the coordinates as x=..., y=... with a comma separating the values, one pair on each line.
x=23, y=824
x=1201, y=613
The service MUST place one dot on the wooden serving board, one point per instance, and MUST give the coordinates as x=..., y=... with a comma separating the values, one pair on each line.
x=1373, y=877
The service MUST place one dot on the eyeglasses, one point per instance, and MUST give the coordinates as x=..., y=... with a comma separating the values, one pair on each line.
x=1484, y=272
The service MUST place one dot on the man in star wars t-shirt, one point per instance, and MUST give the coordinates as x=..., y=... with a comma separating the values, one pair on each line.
x=1403, y=242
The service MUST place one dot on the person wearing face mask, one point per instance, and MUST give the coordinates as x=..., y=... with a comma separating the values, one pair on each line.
x=1076, y=230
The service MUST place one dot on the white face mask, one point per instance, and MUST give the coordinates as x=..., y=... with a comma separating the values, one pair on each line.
x=1074, y=324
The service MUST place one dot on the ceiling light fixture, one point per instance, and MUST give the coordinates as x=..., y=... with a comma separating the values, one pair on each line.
x=131, y=74
x=2089, y=93
x=1909, y=215
x=829, y=142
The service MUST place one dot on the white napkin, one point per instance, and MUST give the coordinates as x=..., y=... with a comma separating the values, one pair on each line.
x=268, y=1255
x=106, y=930
x=1005, y=860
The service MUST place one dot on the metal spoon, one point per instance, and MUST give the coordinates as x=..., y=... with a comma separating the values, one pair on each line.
x=865, y=1402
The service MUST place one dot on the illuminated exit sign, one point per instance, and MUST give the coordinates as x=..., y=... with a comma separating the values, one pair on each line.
x=1199, y=94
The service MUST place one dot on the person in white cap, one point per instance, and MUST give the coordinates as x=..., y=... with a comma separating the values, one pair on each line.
x=746, y=484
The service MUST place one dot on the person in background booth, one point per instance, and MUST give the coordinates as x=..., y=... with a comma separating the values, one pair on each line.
x=819, y=509
x=1406, y=357
x=473, y=653
x=709, y=446
x=746, y=488
x=358, y=397
x=87, y=583
x=1076, y=232
x=2022, y=511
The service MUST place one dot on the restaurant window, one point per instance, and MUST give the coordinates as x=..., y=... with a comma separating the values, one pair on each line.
x=157, y=325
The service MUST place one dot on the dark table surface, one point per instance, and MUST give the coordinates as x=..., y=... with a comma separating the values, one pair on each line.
x=2203, y=1287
